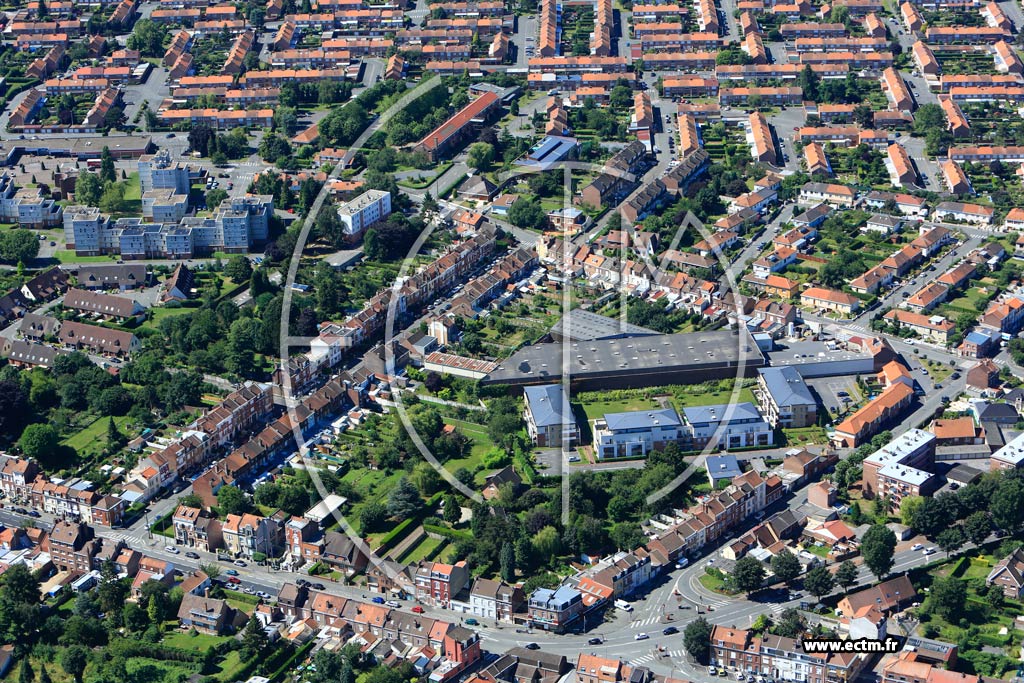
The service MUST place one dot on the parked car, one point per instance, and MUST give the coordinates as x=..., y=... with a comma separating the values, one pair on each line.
x=472, y=622
x=378, y=600
x=231, y=572
x=234, y=580
x=318, y=587
x=594, y=641
x=393, y=603
x=240, y=563
x=532, y=646
x=929, y=551
x=417, y=609
x=917, y=546
x=712, y=671
x=171, y=549
x=192, y=555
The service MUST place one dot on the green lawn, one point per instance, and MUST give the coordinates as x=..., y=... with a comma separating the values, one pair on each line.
x=597, y=409
x=158, y=313
x=66, y=256
x=191, y=640
x=805, y=435
x=426, y=549
x=481, y=444
x=93, y=439
x=745, y=395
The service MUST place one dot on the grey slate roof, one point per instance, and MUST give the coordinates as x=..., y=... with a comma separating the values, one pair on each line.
x=546, y=404
x=786, y=386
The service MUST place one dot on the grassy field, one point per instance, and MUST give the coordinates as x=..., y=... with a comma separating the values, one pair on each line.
x=597, y=409
x=91, y=440
x=158, y=313
x=745, y=395
x=426, y=549
x=805, y=435
x=481, y=444
x=65, y=256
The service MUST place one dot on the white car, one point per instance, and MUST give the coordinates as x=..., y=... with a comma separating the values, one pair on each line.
x=917, y=546
x=393, y=603
x=929, y=551
x=641, y=636
x=171, y=549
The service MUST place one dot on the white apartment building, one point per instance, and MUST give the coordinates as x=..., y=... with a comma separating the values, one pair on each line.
x=27, y=207
x=737, y=425
x=365, y=210
x=164, y=206
x=159, y=172
x=635, y=433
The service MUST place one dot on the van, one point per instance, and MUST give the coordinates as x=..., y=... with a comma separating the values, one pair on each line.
x=623, y=605
x=682, y=563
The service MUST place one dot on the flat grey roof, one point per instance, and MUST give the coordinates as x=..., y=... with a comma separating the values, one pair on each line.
x=581, y=325
x=608, y=357
x=801, y=353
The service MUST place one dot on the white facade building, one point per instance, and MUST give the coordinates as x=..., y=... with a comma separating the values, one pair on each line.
x=365, y=210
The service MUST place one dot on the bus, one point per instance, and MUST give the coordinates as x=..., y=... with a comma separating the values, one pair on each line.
x=93, y=164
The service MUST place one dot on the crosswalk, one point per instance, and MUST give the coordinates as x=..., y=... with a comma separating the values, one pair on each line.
x=654, y=656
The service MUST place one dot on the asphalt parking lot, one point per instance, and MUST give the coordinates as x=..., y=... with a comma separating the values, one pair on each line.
x=830, y=390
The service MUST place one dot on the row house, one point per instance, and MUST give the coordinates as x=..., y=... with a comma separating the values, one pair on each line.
x=839, y=44
x=971, y=35
x=935, y=328
x=782, y=659
x=682, y=42
x=690, y=86
x=791, y=31
x=949, y=81
x=195, y=528
x=680, y=61
x=861, y=61
x=777, y=96
x=437, y=583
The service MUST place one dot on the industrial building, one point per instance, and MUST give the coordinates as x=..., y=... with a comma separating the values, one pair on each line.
x=634, y=362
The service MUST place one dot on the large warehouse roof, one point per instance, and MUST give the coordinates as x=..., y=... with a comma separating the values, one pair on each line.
x=663, y=359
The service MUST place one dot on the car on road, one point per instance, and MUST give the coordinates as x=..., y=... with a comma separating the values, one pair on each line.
x=240, y=563
x=302, y=583
x=34, y=513
x=472, y=622
x=595, y=641
x=263, y=594
x=955, y=375
x=641, y=636
x=669, y=631
x=378, y=600
x=929, y=551
x=231, y=572
x=416, y=609
x=393, y=603
x=171, y=549
x=840, y=394
x=917, y=546
x=234, y=580
x=318, y=587
x=713, y=671
x=532, y=646
x=249, y=591
x=192, y=555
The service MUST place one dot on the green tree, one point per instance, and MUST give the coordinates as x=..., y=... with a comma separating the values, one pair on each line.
x=452, y=511
x=254, y=639
x=508, y=562
x=950, y=539
x=88, y=189
x=73, y=660
x=25, y=673
x=214, y=197
x=697, y=639
x=877, y=548
x=547, y=543
x=785, y=566
x=39, y=441
x=18, y=246
x=480, y=156
x=528, y=213
x=238, y=269
x=108, y=174
x=978, y=526
x=908, y=510
x=948, y=597
x=274, y=147
x=846, y=575
x=372, y=517
x=148, y=38
x=819, y=581
x=115, y=439
x=112, y=199
x=748, y=574
x=927, y=117
x=231, y=500
x=1007, y=511
x=404, y=500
